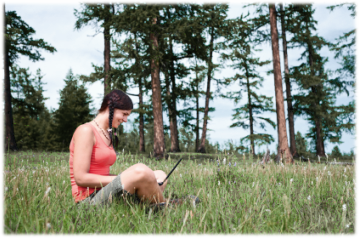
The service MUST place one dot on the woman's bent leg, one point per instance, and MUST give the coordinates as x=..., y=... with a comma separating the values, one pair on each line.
x=141, y=180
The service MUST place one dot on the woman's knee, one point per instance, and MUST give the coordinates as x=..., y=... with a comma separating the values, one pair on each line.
x=143, y=172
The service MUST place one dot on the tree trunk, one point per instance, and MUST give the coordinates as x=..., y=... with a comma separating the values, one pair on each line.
x=173, y=113
x=140, y=98
x=141, y=129
x=251, y=131
x=158, y=140
x=197, y=115
x=282, y=132
x=319, y=141
x=293, y=148
x=107, y=67
x=10, y=142
x=201, y=148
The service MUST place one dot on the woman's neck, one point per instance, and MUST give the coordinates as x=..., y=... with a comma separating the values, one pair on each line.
x=102, y=121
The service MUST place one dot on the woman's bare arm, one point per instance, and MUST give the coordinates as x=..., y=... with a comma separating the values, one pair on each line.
x=84, y=141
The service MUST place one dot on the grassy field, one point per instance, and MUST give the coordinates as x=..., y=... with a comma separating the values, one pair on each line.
x=237, y=196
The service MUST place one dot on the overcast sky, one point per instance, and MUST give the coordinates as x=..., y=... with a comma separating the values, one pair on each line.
x=79, y=49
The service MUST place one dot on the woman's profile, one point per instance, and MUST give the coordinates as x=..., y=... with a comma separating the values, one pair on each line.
x=92, y=154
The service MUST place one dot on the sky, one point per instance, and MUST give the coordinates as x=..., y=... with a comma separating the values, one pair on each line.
x=79, y=49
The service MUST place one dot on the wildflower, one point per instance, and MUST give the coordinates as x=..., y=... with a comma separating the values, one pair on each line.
x=48, y=225
x=308, y=197
x=317, y=179
x=229, y=182
x=224, y=161
x=325, y=167
x=279, y=184
x=234, y=182
x=47, y=190
x=218, y=164
x=347, y=225
x=329, y=174
x=235, y=163
x=6, y=188
x=181, y=175
x=345, y=170
x=253, y=185
x=344, y=207
x=312, y=182
x=199, y=165
x=229, y=164
x=267, y=210
x=291, y=180
x=47, y=184
x=219, y=183
x=63, y=182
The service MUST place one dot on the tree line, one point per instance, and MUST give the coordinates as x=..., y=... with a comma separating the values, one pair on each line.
x=167, y=52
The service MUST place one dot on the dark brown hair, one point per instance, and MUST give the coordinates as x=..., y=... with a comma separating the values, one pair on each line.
x=115, y=99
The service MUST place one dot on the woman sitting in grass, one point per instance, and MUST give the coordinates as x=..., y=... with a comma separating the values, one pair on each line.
x=92, y=154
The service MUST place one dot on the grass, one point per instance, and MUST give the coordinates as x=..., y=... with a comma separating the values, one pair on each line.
x=305, y=198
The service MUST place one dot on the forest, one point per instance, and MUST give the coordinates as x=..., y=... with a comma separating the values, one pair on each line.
x=167, y=52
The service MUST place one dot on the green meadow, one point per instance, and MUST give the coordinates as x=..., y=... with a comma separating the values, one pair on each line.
x=238, y=196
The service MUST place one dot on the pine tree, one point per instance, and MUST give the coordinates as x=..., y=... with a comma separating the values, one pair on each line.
x=29, y=108
x=243, y=60
x=18, y=41
x=102, y=15
x=344, y=47
x=262, y=21
x=302, y=146
x=284, y=24
x=317, y=96
x=213, y=17
x=74, y=110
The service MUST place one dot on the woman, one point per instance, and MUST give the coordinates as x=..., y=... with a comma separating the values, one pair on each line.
x=92, y=154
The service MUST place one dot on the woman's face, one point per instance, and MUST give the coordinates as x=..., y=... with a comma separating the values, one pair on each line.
x=120, y=116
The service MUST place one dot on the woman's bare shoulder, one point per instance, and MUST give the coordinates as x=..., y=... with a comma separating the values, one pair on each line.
x=84, y=131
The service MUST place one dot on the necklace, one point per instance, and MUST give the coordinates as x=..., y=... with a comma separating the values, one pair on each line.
x=103, y=131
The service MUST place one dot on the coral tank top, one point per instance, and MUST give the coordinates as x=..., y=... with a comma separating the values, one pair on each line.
x=102, y=158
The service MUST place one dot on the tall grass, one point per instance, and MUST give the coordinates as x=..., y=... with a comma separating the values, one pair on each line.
x=243, y=197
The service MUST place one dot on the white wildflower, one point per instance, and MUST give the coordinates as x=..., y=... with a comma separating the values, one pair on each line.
x=347, y=225
x=47, y=183
x=17, y=189
x=181, y=175
x=281, y=164
x=279, y=184
x=63, y=182
x=48, y=225
x=219, y=183
x=317, y=179
x=325, y=167
x=229, y=182
x=329, y=174
x=312, y=182
x=267, y=210
x=345, y=170
x=47, y=190
x=6, y=188
x=253, y=185
x=224, y=161
x=291, y=180
x=308, y=197
x=344, y=207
